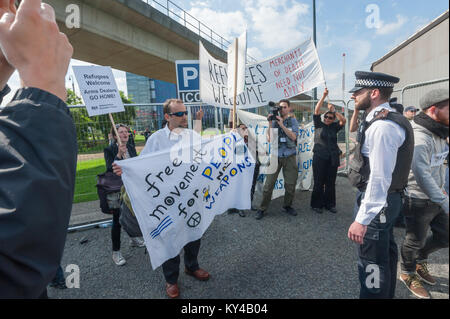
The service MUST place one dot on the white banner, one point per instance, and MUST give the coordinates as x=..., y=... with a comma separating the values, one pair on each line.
x=258, y=127
x=98, y=89
x=176, y=193
x=293, y=72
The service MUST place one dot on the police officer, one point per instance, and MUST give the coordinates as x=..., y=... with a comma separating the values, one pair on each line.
x=287, y=129
x=379, y=169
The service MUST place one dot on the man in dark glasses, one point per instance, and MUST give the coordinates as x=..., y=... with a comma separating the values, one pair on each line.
x=174, y=132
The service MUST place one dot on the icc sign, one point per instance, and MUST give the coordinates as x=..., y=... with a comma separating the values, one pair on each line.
x=188, y=80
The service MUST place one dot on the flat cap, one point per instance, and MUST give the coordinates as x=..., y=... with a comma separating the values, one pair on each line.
x=411, y=108
x=433, y=97
x=373, y=80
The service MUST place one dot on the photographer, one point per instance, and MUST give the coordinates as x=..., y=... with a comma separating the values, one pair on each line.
x=285, y=148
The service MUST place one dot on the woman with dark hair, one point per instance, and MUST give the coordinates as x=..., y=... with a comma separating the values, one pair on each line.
x=326, y=157
x=112, y=153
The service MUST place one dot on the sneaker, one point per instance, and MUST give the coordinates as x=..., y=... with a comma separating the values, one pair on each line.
x=317, y=210
x=412, y=282
x=137, y=242
x=424, y=273
x=259, y=214
x=290, y=211
x=118, y=258
x=241, y=213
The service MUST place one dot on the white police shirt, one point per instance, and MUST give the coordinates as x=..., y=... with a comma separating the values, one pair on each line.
x=382, y=141
x=164, y=139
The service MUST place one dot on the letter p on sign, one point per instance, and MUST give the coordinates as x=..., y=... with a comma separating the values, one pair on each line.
x=189, y=73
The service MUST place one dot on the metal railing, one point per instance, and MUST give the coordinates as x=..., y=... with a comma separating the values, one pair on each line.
x=411, y=94
x=175, y=12
x=178, y=14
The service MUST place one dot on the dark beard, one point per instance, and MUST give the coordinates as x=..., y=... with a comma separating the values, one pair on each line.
x=365, y=104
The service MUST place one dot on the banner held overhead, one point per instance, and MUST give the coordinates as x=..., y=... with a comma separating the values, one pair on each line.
x=286, y=75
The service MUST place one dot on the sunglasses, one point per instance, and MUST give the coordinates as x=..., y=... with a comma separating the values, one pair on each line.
x=179, y=114
x=328, y=117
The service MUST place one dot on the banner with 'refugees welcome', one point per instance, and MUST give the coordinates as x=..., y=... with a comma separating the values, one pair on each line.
x=293, y=72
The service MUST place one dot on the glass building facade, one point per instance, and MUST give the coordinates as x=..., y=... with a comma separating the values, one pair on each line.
x=143, y=90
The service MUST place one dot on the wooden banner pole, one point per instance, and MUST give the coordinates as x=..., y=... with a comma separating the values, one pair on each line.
x=235, y=82
x=115, y=129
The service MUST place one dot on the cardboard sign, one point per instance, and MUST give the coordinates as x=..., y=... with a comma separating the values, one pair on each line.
x=98, y=89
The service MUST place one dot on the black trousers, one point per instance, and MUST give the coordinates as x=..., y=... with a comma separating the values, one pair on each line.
x=378, y=255
x=171, y=268
x=115, y=230
x=255, y=177
x=422, y=215
x=324, y=191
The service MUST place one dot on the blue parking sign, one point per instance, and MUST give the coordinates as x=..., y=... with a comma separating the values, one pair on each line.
x=188, y=80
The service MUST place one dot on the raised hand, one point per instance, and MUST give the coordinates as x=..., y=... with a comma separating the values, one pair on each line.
x=6, y=69
x=31, y=42
x=199, y=114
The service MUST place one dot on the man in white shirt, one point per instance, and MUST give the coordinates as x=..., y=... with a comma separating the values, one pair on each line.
x=171, y=136
x=379, y=170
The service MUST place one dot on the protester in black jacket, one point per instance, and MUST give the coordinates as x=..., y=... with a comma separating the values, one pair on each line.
x=38, y=151
x=326, y=157
x=113, y=153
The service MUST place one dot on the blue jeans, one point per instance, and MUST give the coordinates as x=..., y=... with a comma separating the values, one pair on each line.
x=378, y=255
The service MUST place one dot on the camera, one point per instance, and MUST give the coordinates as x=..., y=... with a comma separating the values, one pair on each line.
x=274, y=110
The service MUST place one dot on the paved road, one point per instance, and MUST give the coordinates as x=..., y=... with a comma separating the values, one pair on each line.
x=280, y=256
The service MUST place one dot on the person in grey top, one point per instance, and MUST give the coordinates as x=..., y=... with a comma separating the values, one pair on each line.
x=426, y=203
x=285, y=148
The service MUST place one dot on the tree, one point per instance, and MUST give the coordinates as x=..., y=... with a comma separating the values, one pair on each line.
x=125, y=99
x=127, y=117
x=92, y=132
x=72, y=98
